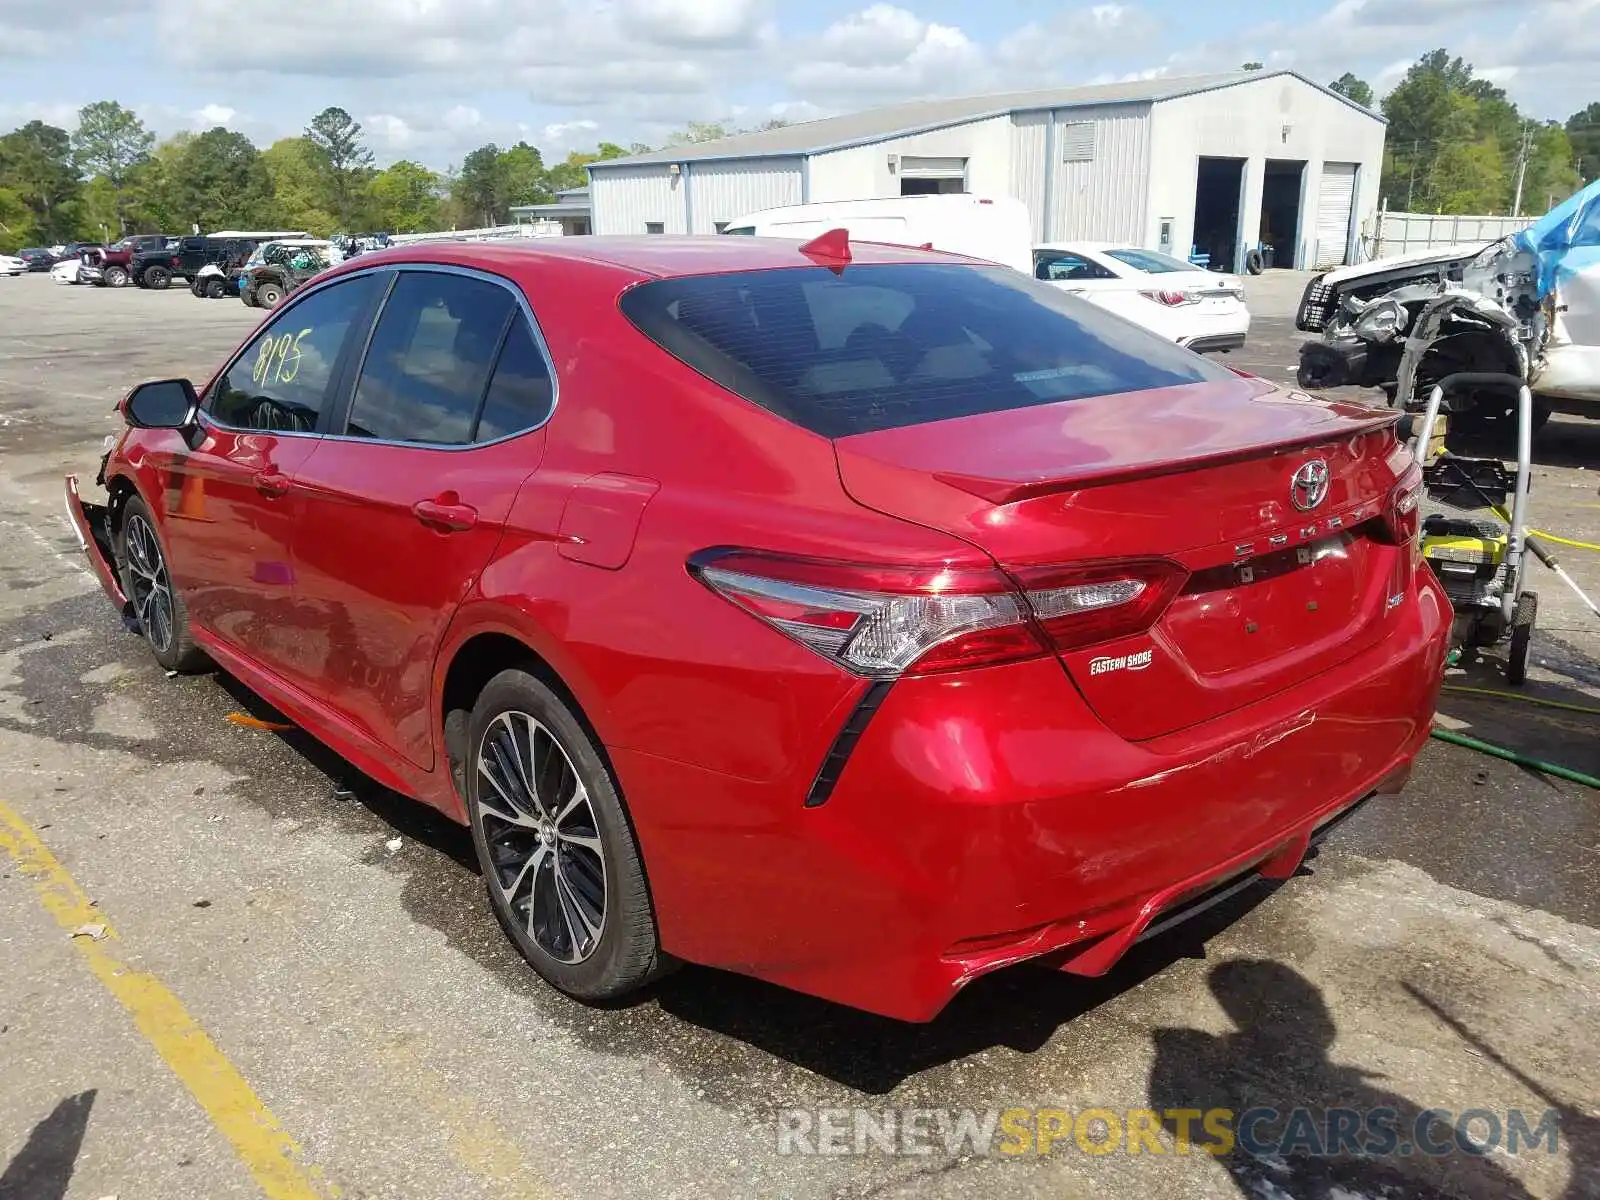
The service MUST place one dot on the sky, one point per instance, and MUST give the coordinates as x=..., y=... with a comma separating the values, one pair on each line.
x=431, y=79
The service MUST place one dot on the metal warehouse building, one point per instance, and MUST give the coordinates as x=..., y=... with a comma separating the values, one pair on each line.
x=1215, y=164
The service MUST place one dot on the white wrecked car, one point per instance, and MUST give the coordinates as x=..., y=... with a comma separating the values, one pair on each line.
x=1527, y=305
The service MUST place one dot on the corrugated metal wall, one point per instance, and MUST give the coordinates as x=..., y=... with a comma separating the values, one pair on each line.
x=862, y=172
x=1101, y=196
x=1029, y=161
x=1279, y=118
x=721, y=191
x=627, y=199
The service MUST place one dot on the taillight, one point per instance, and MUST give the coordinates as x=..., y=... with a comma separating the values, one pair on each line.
x=885, y=621
x=1401, y=513
x=1169, y=299
x=1079, y=606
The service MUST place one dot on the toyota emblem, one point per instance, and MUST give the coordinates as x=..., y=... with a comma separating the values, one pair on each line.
x=1309, y=487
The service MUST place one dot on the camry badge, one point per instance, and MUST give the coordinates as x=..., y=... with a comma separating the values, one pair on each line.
x=1309, y=487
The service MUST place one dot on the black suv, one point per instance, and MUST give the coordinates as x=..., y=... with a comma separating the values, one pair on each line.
x=155, y=268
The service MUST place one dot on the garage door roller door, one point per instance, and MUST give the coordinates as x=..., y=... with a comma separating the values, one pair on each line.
x=932, y=168
x=1335, y=198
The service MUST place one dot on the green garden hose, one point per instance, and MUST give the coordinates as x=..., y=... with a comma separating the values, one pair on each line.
x=1522, y=760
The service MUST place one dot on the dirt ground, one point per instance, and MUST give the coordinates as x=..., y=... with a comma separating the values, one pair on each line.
x=283, y=963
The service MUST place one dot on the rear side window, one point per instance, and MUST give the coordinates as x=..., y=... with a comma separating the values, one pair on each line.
x=428, y=366
x=521, y=392
x=882, y=346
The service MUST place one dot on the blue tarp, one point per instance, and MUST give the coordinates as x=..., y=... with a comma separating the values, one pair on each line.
x=1565, y=240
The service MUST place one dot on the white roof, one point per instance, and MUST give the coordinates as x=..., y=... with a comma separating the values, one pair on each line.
x=874, y=125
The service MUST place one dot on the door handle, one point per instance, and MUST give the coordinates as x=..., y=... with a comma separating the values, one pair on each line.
x=448, y=517
x=272, y=483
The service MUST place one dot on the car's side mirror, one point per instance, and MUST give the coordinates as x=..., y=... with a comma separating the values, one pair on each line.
x=162, y=404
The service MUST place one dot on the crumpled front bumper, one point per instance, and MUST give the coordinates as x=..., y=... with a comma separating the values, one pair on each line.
x=91, y=522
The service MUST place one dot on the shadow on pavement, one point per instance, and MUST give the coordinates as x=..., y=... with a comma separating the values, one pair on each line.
x=1310, y=1127
x=42, y=1169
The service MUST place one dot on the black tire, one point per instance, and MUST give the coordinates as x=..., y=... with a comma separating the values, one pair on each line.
x=269, y=295
x=1523, y=619
x=247, y=297
x=527, y=860
x=215, y=288
x=157, y=278
x=1254, y=262
x=142, y=563
x=116, y=277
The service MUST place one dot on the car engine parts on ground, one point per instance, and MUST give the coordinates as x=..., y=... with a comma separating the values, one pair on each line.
x=1527, y=305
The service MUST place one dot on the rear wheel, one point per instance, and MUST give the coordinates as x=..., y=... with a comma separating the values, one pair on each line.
x=115, y=277
x=269, y=295
x=159, y=609
x=558, y=855
x=216, y=289
x=157, y=278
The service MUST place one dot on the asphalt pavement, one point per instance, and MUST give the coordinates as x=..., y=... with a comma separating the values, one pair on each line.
x=231, y=967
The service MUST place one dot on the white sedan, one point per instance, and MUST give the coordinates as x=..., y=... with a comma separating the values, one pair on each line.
x=11, y=265
x=1202, y=310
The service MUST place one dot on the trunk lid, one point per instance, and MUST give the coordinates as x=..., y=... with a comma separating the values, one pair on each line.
x=1201, y=475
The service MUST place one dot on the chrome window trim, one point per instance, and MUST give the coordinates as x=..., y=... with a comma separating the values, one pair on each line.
x=521, y=302
x=395, y=269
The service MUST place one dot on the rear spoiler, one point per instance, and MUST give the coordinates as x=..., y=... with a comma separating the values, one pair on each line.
x=1011, y=491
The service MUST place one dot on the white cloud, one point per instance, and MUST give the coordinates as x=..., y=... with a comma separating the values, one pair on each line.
x=442, y=76
x=886, y=52
x=564, y=131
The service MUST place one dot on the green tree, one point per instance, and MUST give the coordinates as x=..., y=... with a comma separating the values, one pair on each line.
x=219, y=181
x=1353, y=88
x=1551, y=174
x=36, y=164
x=522, y=177
x=479, y=186
x=1583, y=130
x=347, y=161
x=1454, y=139
x=16, y=222
x=296, y=168
x=150, y=192
x=109, y=143
x=405, y=198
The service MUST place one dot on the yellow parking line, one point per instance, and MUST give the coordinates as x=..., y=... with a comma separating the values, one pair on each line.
x=268, y=1153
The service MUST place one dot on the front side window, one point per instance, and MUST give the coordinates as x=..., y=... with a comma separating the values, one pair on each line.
x=429, y=362
x=882, y=346
x=281, y=381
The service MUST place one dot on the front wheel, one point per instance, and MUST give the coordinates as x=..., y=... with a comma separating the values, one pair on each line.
x=159, y=609
x=216, y=289
x=157, y=278
x=115, y=277
x=269, y=295
x=557, y=852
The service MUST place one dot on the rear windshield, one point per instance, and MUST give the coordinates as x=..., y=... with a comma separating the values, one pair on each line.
x=1151, y=262
x=879, y=347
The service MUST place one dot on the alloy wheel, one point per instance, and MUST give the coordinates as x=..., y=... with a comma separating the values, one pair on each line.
x=544, y=843
x=149, y=587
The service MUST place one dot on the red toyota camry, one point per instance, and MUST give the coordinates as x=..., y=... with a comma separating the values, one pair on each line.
x=859, y=618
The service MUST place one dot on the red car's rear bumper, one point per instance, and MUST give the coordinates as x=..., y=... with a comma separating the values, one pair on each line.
x=988, y=817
